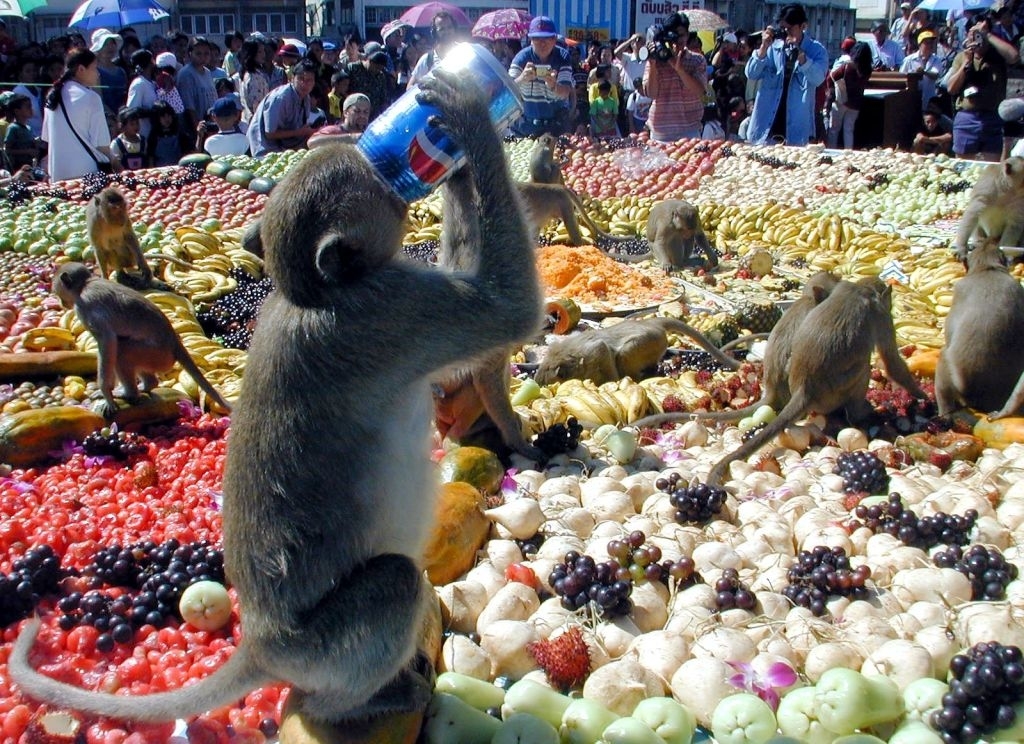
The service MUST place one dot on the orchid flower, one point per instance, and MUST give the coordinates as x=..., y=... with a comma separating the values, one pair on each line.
x=17, y=485
x=216, y=499
x=509, y=486
x=189, y=410
x=68, y=448
x=673, y=448
x=778, y=676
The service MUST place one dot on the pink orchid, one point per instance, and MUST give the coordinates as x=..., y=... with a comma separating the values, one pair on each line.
x=68, y=448
x=17, y=485
x=509, y=486
x=189, y=410
x=673, y=447
x=778, y=676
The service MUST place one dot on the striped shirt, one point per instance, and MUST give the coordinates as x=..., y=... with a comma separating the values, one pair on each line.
x=676, y=110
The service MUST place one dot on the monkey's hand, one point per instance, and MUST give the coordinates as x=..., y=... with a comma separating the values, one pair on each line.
x=961, y=252
x=462, y=104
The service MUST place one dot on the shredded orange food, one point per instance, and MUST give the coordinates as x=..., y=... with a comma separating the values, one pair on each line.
x=589, y=276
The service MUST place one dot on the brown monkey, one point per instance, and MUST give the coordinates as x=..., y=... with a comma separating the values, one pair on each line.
x=982, y=362
x=830, y=362
x=775, y=377
x=134, y=339
x=328, y=487
x=471, y=401
x=675, y=235
x=543, y=166
x=115, y=243
x=543, y=201
x=996, y=208
x=626, y=349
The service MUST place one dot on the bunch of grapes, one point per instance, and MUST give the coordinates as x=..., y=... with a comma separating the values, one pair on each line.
x=635, y=246
x=987, y=569
x=904, y=524
x=955, y=187
x=110, y=442
x=698, y=503
x=731, y=593
x=559, y=438
x=160, y=573
x=109, y=615
x=580, y=580
x=986, y=683
x=232, y=318
x=36, y=574
x=531, y=545
x=862, y=472
x=771, y=161
x=425, y=251
x=823, y=572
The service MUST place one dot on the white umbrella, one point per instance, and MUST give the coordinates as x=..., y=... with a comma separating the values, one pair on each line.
x=958, y=5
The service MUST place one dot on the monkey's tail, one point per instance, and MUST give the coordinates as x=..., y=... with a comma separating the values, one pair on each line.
x=678, y=326
x=796, y=407
x=190, y=366
x=657, y=419
x=228, y=684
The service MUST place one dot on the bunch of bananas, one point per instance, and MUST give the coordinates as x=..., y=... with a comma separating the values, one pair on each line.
x=618, y=402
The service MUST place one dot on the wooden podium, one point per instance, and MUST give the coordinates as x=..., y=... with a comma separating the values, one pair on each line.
x=891, y=113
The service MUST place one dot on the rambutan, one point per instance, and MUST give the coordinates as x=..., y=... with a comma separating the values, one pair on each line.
x=672, y=404
x=565, y=659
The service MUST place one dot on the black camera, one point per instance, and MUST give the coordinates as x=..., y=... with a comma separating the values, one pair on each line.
x=665, y=35
x=209, y=127
x=777, y=32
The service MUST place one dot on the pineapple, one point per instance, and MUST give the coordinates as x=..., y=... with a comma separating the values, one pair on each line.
x=757, y=316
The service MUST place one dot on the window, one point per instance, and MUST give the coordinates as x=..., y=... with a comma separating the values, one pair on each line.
x=277, y=23
x=213, y=24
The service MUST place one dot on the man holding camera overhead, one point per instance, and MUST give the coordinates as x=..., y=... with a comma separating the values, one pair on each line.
x=977, y=79
x=790, y=65
x=543, y=72
x=675, y=78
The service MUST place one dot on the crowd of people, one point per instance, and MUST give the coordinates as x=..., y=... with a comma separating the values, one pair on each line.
x=112, y=101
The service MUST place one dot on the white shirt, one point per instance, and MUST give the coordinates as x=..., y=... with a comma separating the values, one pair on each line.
x=228, y=143
x=67, y=158
x=1018, y=149
x=890, y=53
x=35, y=122
x=934, y=65
x=142, y=95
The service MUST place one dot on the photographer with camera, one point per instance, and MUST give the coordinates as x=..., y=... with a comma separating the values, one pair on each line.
x=977, y=79
x=790, y=65
x=543, y=72
x=675, y=80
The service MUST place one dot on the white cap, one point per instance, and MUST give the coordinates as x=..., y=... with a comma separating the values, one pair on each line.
x=1011, y=109
x=100, y=37
x=166, y=59
x=729, y=38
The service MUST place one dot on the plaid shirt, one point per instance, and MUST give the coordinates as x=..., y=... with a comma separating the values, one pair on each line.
x=676, y=110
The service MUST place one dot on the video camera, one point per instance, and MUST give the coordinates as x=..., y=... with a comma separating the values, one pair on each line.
x=665, y=35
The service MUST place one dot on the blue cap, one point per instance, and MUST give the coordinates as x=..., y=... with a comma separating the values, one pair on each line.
x=542, y=27
x=225, y=106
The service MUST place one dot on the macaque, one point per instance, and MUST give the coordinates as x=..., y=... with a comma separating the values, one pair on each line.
x=775, y=375
x=543, y=201
x=627, y=349
x=329, y=493
x=543, y=166
x=675, y=235
x=115, y=243
x=982, y=363
x=996, y=208
x=830, y=361
x=472, y=401
x=135, y=341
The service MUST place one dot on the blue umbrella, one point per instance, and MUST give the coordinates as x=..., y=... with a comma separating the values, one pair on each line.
x=93, y=14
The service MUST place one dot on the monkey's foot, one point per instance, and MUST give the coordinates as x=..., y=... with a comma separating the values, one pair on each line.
x=298, y=727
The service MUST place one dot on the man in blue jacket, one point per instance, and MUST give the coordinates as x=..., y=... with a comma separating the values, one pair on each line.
x=790, y=65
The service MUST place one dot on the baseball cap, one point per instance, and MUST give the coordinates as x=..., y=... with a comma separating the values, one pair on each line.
x=353, y=99
x=879, y=26
x=379, y=58
x=729, y=38
x=847, y=44
x=371, y=48
x=166, y=59
x=329, y=46
x=542, y=27
x=225, y=107
x=100, y=37
x=289, y=50
x=905, y=6
x=1011, y=109
x=926, y=35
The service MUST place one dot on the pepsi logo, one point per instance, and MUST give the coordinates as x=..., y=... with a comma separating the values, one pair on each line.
x=428, y=158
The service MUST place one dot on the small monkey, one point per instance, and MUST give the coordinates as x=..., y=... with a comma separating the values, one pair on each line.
x=115, y=243
x=775, y=377
x=982, y=363
x=472, y=401
x=996, y=208
x=626, y=349
x=675, y=235
x=135, y=340
x=830, y=361
x=544, y=168
x=543, y=201
x=329, y=494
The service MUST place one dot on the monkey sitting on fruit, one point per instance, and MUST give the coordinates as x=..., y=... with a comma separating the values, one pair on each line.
x=329, y=493
x=115, y=243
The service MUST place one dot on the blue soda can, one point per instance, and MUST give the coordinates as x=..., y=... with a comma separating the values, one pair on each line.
x=413, y=157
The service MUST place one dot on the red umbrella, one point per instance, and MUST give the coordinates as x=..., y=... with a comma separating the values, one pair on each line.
x=507, y=23
x=421, y=15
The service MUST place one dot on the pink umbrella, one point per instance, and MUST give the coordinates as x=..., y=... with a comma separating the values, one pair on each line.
x=507, y=23
x=421, y=15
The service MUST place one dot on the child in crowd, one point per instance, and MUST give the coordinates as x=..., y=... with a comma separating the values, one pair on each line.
x=164, y=146
x=129, y=145
x=604, y=110
x=337, y=95
x=228, y=137
x=20, y=145
x=639, y=106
